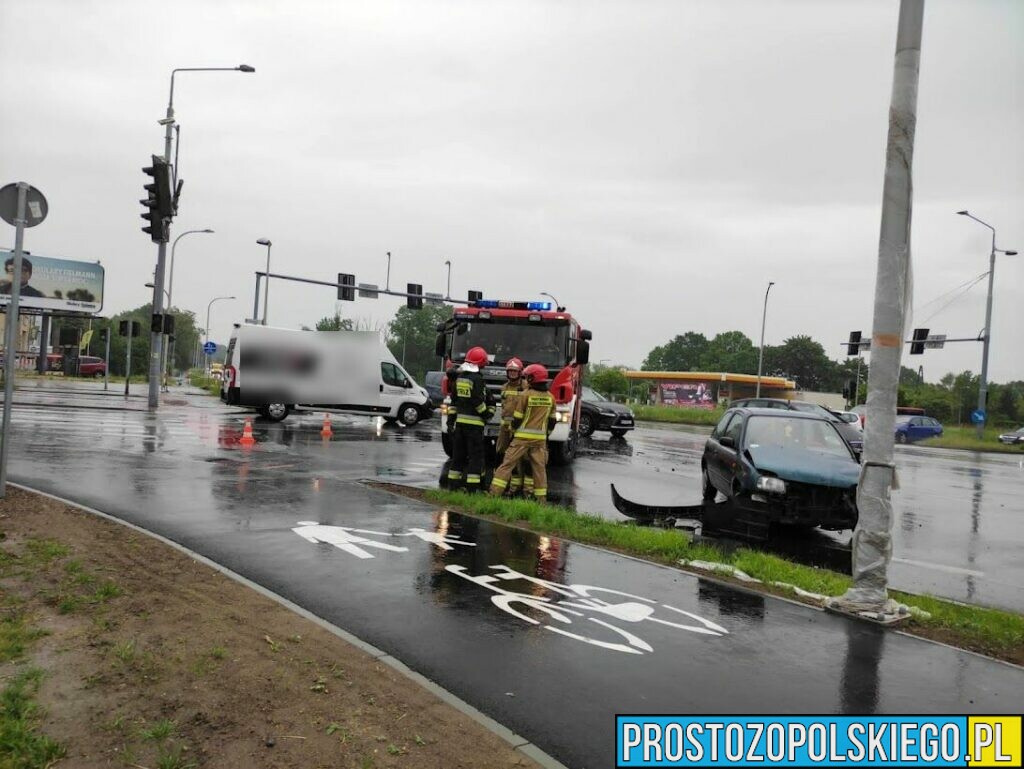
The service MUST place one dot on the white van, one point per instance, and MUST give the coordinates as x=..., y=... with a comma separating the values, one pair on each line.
x=277, y=369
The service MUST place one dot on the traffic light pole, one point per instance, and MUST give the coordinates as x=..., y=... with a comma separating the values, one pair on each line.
x=156, y=337
x=983, y=382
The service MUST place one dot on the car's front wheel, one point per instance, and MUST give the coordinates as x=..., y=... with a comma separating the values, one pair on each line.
x=901, y=437
x=619, y=433
x=586, y=425
x=98, y=375
x=707, y=488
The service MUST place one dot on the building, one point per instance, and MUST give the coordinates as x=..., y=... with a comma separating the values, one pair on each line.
x=708, y=389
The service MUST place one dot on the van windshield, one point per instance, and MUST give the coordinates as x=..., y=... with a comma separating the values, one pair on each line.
x=530, y=342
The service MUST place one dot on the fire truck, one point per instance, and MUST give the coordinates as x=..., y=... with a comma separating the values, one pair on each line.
x=534, y=332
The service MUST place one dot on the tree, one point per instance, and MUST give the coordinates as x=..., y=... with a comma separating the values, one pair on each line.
x=683, y=353
x=802, y=359
x=730, y=351
x=411, y=336
x=334, y=323
x=610, y=381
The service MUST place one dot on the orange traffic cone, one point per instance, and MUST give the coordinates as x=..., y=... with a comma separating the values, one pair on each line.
x=247, y=439
x=326, y=430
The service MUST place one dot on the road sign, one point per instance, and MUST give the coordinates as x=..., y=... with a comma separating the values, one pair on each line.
x=36, y=206
x=435, y=299
x=368, y=290
x=978, y=417
x=209, y=348
x=935, y=342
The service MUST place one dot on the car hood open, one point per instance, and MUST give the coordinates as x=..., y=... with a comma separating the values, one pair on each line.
x=805, y=466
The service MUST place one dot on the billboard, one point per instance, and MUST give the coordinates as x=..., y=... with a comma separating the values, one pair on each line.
x=694, y=395
x=60, y=285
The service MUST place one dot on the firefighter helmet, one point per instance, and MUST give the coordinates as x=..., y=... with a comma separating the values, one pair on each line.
x=535, y=373
x=514, y=363
x=477, y=356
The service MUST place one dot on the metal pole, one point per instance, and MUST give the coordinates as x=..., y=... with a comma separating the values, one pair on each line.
x=128, y=364
x=983, y=382
x=266, y=288
x=106, y=361
x=856, y=392
x=156, y=337
x=760, y=357
x=206, y=366
x=256, y=300
x=387, y=278
x=170, y=281
x=11, y=335
x=44, y=340
x=872, y=540
x=448, y=264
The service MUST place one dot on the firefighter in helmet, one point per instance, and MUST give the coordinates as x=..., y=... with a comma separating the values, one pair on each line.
x=514, y=385
x=533, y=420
x=473, y=410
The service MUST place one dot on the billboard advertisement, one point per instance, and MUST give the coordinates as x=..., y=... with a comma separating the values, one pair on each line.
x=60, y=285
x=693, y=395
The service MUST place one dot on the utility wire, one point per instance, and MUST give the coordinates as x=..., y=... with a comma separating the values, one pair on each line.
x=962, y=294
x=952, y=290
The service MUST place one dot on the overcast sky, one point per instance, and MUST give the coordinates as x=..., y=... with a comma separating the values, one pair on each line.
x=651, y=164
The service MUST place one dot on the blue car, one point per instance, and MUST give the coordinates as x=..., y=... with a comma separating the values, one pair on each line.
x=910, y=429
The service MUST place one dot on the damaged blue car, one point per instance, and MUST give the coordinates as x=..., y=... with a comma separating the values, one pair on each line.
x=781, y=467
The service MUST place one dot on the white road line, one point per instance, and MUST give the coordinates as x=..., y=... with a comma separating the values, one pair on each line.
x=940, y=567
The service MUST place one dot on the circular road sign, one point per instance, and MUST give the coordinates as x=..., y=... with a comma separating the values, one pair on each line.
x=36, y=206
x=209, y=348
x=978, y=417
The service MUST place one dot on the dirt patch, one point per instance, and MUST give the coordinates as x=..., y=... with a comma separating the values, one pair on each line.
x=152, y=659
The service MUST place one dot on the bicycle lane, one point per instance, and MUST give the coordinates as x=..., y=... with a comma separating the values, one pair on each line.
x=558, y=661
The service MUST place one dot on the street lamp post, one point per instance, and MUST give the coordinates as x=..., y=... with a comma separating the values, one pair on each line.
x=760, y=357
x=206, y=368
x=448, y=264
x=987, y=338
x=156, y=337
x=266, y=278
x=170, y=291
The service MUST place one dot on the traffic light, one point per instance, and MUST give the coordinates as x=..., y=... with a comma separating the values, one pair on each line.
x=920, y=337
x=160, y=201
x=853, y=346
x=346, y=287
x=476, y=296
x=124, y=329
x=414, y=302
x=168, y=324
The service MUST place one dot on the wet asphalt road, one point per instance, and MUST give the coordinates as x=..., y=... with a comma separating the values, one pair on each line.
x=521, y=626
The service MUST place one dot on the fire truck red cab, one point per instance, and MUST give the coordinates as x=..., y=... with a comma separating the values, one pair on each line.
x=534, y=332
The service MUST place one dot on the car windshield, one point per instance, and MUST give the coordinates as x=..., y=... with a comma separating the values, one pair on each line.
x=592, y=395
x=530, y=342
x=792, y=434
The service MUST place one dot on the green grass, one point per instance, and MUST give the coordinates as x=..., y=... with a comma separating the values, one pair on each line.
x=966, y=438
x=995, y=632
x=677, y=415
x=15, y=634
x=159, y=731
x=21, y=744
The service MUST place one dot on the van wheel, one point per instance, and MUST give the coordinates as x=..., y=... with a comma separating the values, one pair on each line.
x=409, y=414
x=275, y=412
x=562, y=453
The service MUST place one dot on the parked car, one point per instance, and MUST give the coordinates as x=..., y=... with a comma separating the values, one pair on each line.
x=1015, y=436
x=89, y=365
x=599, y=413
x=782, y=466
x=432, y=383
x=852, y=433
x=910, y=429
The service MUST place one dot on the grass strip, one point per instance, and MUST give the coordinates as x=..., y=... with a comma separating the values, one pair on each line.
x=21, y=744
x=677, y=415
x=990, y=631
x=966, y=439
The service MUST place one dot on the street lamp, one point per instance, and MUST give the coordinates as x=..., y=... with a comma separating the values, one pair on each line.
x=987, y=338
x=266, y=278
x=760, y=357
x=549, y=296
x=156, y=338
x=215, y=299
x=170, y=291
x=448, y=264
x=150, y=285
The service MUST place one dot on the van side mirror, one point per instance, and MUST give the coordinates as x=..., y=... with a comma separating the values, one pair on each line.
x=583, y=352
x=439, y=345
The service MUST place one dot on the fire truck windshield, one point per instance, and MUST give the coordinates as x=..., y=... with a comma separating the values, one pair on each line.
x=530, y=342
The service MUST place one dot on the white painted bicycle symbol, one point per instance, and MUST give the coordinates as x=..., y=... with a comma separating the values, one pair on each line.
x=604, y=607
x=579, y=602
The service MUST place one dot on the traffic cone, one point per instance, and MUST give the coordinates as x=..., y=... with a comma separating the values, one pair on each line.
x=247, y=439
x=326, y=430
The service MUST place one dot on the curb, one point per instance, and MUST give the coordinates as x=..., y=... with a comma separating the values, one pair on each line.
x=517, y=742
